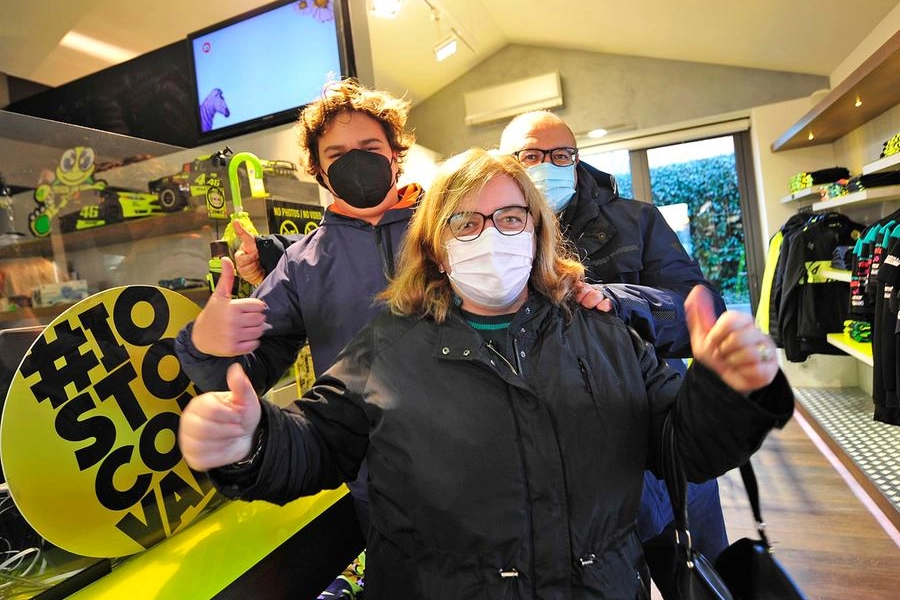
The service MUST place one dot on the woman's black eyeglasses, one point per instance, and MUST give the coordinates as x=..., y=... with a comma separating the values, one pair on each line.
x=508, y=220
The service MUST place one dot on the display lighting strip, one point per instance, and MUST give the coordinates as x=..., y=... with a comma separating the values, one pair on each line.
x=94, y=47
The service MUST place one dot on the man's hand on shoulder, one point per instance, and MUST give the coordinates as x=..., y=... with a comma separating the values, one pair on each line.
x=590, y=296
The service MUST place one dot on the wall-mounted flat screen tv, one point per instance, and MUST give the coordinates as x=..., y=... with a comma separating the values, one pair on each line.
x=255, y=70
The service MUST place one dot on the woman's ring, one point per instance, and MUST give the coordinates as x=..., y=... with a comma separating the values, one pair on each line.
x=765, y=352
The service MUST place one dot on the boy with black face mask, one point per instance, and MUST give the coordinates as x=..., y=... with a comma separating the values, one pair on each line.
x=353, y=141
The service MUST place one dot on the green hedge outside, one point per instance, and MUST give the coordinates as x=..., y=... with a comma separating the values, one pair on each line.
x=710, y=189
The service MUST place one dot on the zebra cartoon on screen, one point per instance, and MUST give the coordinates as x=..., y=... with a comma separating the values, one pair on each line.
x=214, y=103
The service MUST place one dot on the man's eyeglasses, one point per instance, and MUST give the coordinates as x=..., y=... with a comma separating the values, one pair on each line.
x=561, y=157
x=508, y=220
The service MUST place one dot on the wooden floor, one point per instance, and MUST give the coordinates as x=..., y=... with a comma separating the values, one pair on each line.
x=834, y=548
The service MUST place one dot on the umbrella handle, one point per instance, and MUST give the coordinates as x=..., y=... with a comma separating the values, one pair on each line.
x=254, y=175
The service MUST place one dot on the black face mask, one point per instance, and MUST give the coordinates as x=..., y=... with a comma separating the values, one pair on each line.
x=361, y=178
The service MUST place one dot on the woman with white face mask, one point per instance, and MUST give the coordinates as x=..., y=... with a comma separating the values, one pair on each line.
x=506, y=428
x=490, y=254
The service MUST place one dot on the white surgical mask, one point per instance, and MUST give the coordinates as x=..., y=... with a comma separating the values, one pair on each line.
x=493, y=269
x=556, y=183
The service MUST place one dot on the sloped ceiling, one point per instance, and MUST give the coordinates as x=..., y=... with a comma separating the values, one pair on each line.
x=801, y=36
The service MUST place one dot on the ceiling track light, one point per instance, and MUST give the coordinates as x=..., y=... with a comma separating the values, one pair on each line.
x=448, y=44
x=445, y=48
x=386, y=9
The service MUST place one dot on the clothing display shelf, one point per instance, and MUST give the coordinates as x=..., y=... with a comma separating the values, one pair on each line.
x=874, y=83
x=861, y=351
x=812, y=195
x=888, y=163
x=879, y=194
x=804, y=195
x=867, y=92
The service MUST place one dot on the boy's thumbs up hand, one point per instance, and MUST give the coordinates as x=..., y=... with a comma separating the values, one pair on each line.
x=229, y=327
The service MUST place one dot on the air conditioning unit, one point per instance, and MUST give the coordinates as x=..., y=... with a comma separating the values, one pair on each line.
x=510, y=99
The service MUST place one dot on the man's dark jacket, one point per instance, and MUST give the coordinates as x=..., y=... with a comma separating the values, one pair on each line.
x=629, y=242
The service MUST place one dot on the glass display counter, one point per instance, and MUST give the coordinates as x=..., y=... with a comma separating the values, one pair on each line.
x=95, y=208
x=85, y=214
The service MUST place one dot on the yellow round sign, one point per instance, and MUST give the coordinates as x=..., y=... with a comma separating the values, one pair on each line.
x=288, y=227
x=88, y=436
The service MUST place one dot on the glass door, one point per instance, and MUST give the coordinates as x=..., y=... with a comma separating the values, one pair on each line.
x=704, y=191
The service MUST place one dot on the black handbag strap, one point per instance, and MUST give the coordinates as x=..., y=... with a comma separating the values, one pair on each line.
x=699, y=579
x=752, y=488
x=676, y=483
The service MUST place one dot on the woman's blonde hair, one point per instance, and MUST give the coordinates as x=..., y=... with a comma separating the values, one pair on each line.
x=346, y=96
x=421, y=289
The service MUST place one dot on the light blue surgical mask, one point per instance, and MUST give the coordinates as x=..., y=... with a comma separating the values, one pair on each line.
x=556, y=183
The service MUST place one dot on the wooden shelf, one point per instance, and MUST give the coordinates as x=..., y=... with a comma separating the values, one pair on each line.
x=880, y=194
x=858, y=350
x=888, y=163
x=130, y=230
x=38, y=313
x=197, y=295
x=192, y=219
x=874, y=82
x=810, y=193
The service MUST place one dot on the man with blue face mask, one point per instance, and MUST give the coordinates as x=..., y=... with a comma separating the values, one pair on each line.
x=553, y=173
x=626, y=242
x=619, y=241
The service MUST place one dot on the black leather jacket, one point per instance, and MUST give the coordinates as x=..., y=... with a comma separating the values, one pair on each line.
x=495, y=479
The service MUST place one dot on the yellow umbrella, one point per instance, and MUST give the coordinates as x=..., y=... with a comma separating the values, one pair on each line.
x=230, y=241
x=257, y=190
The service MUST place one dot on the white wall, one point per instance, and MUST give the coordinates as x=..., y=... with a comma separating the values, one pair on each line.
x=774, y=169
x=887, y=28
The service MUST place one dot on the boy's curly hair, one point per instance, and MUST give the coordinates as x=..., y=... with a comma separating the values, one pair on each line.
x=345, y=96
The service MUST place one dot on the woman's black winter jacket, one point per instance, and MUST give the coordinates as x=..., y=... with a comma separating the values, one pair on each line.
x=494, y=478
